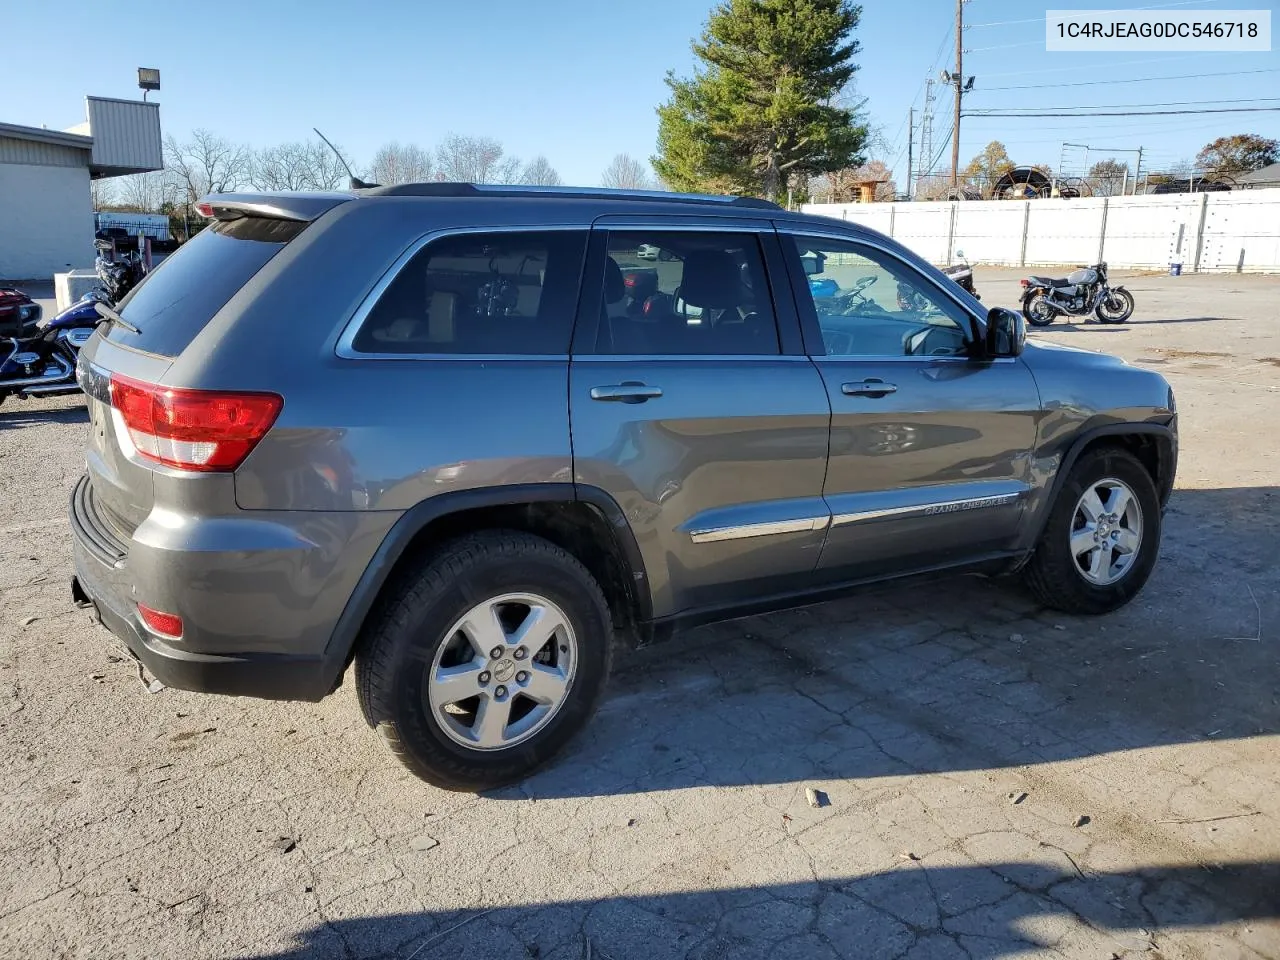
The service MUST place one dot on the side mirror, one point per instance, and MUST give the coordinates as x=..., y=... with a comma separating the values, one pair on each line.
x=1006, y=333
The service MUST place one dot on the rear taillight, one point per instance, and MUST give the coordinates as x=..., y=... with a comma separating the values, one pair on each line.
x=1025, y=283
x=165, y=624
x=204, y=209
x=207, y=430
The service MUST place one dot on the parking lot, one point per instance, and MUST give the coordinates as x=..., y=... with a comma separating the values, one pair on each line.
x=995, y=780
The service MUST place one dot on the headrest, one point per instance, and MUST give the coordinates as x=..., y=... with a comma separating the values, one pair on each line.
x=613, y=288
x=640, y=284
x=711, y=280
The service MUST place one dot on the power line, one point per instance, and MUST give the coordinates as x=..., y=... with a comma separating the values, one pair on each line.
x=1004, y=46
x=1154, y=6
x=1169, y=103
x=1094, y=83
x=1109, y=66
x=1134, y=113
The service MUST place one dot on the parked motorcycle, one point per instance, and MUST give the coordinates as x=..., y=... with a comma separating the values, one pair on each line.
x=40, y=359
x=1082, y=292
x=19, y=314
x=962, y=274
x=909, y=299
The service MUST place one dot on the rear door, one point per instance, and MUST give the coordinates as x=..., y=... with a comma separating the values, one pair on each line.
x=694, y=407
x=930, y=450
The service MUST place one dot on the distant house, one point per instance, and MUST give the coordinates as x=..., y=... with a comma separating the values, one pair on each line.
x=1259, y=179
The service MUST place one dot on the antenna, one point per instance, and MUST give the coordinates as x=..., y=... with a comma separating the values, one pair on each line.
x=356, y=183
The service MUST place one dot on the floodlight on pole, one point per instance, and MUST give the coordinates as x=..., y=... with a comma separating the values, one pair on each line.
x=148, y=79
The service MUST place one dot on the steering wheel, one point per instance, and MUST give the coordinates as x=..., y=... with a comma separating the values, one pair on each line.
x=863, y=282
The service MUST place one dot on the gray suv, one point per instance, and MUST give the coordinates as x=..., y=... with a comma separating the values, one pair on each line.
x=474, y=438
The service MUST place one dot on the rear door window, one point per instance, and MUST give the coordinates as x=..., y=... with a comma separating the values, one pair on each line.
x=686, y=293
x=175, y=302
x=499, y=293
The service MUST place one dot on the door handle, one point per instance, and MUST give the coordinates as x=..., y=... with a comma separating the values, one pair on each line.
x=868, y=388
x=629, y=391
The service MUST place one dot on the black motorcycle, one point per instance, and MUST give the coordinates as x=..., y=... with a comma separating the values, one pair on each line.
x=41, y=362
x=1083, y=292
x=961, y=274
x=117, y=277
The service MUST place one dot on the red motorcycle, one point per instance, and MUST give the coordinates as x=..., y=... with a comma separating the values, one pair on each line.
x=19, y=314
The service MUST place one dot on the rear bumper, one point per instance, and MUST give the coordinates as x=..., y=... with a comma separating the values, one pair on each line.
x=258, y=595
x=264, y=676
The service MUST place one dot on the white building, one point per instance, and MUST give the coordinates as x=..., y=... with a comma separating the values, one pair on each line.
x=46, y=217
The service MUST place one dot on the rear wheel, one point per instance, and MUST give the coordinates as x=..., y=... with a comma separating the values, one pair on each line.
x=1115, y=307
x=1102, y=537
x=486, y=660
x=1037, y=312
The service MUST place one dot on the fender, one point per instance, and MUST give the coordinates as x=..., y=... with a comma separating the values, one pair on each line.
x=1168, y=465
x=342, y=641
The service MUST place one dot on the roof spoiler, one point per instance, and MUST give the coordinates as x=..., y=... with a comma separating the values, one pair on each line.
x=304, y=207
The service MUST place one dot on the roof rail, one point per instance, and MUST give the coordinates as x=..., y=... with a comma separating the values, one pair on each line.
x=450, y=189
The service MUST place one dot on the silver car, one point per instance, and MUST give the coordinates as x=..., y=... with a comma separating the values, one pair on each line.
x=430, y=430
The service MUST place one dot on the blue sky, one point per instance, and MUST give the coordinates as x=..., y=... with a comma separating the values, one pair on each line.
x=577, y=80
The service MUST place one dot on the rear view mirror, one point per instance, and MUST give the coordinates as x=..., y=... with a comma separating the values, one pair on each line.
x=1006, y=333
x=813, y=263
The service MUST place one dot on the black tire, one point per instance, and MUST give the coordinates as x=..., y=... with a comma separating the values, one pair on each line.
x=1118, y=316
x=1053, y=574
x=403, y=635
x=1034, y=318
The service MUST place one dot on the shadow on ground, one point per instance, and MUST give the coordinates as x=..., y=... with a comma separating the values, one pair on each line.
x=953, y=674
x=966, y=913
x=13, y=416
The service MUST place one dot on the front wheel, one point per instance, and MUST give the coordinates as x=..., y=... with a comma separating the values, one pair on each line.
x=1037, y=312
x=1102, y=536
x=486, y=660
x=1115, y=307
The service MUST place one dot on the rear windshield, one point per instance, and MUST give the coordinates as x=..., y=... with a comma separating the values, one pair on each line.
x=183, y=293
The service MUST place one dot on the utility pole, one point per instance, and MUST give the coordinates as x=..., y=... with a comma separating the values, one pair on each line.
x=911, y=142
x=927, y=157
x=958, y=80
x=1136, y=171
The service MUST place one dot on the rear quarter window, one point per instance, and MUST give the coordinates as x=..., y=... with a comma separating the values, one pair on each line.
x=175, y=302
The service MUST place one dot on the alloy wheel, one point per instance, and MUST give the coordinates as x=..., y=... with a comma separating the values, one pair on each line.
x=503, y=671
x=1106, y=531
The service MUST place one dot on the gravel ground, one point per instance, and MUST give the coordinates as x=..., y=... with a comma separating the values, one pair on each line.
x=999, y=780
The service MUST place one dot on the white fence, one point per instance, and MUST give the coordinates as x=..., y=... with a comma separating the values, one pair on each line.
x=1236, y=232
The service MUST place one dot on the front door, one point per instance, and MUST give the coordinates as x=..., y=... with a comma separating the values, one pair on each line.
x=693, y=405
x=930, y=450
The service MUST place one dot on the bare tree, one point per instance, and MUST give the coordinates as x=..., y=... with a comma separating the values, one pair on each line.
x=325, y=170
x=539, y=172
x=842, y=186
x=475, y=160
x=282, y=167
x=296, y=166
x=626, y=173
x=143, y=192
x=1107, y=178
x=101, y=193
x=207, y=163
x=400, y=163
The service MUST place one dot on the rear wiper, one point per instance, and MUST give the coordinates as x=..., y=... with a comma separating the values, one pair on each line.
x=107, y=313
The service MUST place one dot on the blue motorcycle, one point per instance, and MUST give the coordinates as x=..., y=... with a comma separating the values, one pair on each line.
x=42, y=362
